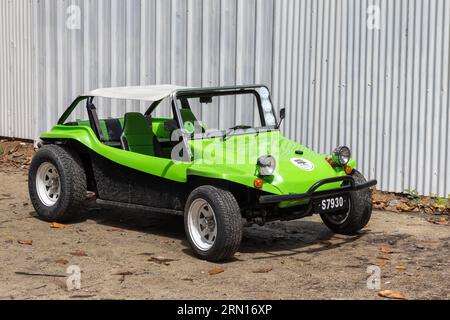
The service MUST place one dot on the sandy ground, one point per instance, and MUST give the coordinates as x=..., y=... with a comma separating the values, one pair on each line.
x=119, y=254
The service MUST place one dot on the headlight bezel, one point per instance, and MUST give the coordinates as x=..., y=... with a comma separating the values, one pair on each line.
x=266, y=165
x=342, y=155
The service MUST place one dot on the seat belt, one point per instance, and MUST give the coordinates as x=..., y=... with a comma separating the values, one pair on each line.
x=93, y=118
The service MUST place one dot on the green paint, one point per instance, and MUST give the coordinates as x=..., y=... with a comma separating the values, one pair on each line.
x=233, y=159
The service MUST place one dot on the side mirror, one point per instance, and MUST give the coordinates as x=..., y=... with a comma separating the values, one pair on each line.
x=282, y=116
x=282, y=113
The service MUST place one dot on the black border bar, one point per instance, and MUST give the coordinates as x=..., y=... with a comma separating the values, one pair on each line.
x=313, y=194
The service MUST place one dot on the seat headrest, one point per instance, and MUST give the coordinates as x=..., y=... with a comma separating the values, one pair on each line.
x=135, y=123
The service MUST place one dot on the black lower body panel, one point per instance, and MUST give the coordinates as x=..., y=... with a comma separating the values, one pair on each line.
x=122, y=184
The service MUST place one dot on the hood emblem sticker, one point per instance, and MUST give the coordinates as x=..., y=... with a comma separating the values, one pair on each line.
x=303, y=164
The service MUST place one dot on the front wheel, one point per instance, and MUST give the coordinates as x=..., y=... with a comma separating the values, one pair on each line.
x=213, y=223
x=355, y=218
x=57, y=184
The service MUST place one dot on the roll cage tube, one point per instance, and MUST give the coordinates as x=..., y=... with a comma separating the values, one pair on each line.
x=179, y=121
x=93, y=119
x=70, y=109
x=152, y=107
x=92, y=114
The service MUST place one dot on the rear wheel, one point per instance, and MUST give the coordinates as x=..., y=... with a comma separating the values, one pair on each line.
x=57, y=184
x=354, y=219
x=213, y=223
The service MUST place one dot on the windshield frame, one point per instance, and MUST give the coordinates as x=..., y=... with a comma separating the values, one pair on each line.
x=224, y=91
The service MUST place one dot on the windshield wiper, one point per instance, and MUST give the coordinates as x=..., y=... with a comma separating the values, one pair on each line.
x=229, y=131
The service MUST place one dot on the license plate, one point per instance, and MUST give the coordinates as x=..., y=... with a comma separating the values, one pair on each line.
x=331, y=204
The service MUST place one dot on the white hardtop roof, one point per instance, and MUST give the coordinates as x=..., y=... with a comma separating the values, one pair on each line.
x=142, y=93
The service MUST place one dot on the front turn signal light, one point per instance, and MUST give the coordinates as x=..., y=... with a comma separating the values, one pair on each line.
x=348, y=170
x=258, y=183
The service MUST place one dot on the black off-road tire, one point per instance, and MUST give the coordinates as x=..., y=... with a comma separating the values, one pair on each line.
x=229, y=223
x=73, y=185
x=359, y=213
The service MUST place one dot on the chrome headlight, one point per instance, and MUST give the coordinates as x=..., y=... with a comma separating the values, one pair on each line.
x=342, y=155
x=266, y=165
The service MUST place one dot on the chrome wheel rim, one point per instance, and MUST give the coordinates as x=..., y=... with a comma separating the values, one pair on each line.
x=340, y=218
x=48, y=184
x=202, y=224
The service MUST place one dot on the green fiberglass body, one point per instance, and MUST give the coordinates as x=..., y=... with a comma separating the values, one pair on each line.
x=214, y=155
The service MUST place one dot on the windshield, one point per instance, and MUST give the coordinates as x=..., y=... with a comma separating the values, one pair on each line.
x=213, y=113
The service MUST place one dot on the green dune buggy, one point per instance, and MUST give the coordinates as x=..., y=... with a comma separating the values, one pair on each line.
x=214, y=155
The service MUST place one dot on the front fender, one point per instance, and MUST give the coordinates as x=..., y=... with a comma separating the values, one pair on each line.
x=244, y=175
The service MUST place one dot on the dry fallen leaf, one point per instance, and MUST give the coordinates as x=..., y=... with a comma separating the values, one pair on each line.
x=441, y=221
x=380, y=205
x=401, y=206
x=392, y=294
x=161, y=260
x=380, y=263
x=400, y=267
x=428, y=210
x=27, y=242
x=383, y=258
x=215, y=270
x=79, y=253
x=386, y=250
x=62, y=261
x=263, y=270
x=440, y=207
x=56, y=225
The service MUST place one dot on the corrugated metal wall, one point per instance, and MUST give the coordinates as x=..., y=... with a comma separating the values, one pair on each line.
x=184, y=42
x=16, y=77
x=384, y=92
